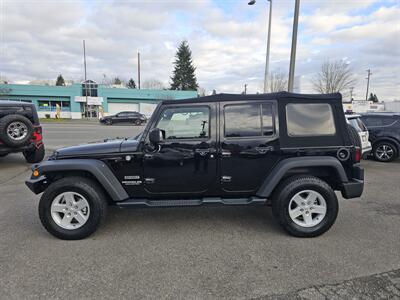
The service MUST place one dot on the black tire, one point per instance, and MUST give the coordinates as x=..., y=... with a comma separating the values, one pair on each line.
x=288, y=189
x=354, y=136
x=90, y=190
x=109, y=122
x=137, y=122
x=391, y=151
x=10, y=140
x=35, y=156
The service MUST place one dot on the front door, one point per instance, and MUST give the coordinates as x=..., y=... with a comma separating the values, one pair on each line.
x=185, y=162
x=249, y=145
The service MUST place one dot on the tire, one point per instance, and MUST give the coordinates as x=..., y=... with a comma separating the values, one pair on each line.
x=109, y=122
x=79, y=186
x=34, y=156
x=15, y=130
x=137, y=122
x=354, y=137
x=385, y=151
x=298, y=186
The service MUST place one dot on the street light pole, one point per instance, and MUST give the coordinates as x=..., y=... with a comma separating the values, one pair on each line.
x=369, y=75
x=294, y=45
x=252, y=2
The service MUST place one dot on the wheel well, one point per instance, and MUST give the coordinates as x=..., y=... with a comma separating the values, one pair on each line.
x=323, y=173
x=54, y=176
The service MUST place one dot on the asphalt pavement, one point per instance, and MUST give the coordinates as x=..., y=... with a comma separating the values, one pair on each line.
x=198, y=253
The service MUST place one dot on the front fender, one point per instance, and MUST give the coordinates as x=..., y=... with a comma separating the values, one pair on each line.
x=285, y=165
x=97, y=168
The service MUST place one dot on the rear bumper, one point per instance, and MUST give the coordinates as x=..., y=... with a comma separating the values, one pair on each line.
x=354, y=187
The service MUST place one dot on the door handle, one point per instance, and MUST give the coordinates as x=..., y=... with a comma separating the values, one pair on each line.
x=226, y=153
x=263, y=150
x=204, y=152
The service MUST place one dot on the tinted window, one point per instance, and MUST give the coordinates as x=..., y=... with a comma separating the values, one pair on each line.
x=185, y=122
x=242, y=120
x=372, y=121
x=357, y=124
x=310, y=119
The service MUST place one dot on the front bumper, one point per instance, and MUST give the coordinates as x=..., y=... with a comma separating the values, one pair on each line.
x=354, y=187
x=37, y=185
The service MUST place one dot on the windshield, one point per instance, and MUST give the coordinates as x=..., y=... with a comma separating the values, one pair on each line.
x=358, y=124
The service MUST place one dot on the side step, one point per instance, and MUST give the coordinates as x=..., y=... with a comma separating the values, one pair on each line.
x=191, y=202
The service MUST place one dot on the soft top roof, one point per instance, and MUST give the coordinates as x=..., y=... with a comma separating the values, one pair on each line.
x=270, y=96
x=15, y=103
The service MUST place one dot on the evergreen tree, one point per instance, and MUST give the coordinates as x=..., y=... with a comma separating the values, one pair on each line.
x=376, y=98
x=131, y=84
x=371, y=97
x=60, y=81
x=183, y=77
x=117, y=81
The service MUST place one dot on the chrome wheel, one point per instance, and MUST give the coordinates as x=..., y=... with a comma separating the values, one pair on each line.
x=384, y=152
x=17, y=131
x=307, y=208
x=70, y=210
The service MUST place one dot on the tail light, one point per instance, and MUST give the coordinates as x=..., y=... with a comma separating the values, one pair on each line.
x=37, y=134
x=357, y=154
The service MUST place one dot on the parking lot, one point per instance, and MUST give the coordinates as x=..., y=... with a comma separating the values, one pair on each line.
x=197, y=253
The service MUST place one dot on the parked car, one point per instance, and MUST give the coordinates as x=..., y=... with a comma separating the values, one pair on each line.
x=384, y=134
x=221, y=149
x=355, y=121
x=125, y=117
x=20, y=131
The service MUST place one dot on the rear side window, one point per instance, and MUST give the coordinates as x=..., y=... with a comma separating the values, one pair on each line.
x=309, y=119
x=248, y=120
x=358, y=124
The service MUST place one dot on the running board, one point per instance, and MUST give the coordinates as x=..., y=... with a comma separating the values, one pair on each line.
x=191, y=202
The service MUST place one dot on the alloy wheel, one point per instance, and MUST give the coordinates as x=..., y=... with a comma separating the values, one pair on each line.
x=17, y=131
x=384, y=152
x=307, y=208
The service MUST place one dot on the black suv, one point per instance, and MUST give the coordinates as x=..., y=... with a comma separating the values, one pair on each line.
x=132, y=117
x=384, y=134
x=291, y=151
x=20, y=131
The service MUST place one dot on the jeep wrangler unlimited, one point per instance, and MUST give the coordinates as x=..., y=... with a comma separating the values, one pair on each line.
x=291, y=151
x=20, y=131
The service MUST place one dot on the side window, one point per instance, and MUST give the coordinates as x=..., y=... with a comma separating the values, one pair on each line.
x=371, y=121
x=246, y=121
x=309, y=119
x=185, y=122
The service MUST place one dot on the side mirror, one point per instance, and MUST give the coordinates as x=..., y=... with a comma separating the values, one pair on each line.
x=156, y=136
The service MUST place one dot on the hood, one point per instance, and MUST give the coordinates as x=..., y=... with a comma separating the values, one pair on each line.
x=98, y=148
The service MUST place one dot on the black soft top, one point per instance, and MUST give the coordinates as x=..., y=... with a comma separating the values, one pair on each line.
x=15, y=103
x=270, y=96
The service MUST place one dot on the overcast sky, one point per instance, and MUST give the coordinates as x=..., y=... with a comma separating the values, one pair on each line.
x=41, y=39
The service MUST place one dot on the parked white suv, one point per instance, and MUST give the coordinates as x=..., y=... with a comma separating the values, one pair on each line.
x=355, y=121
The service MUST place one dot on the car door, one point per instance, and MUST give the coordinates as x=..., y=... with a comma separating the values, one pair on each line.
x=185, y=162
x=249, y=145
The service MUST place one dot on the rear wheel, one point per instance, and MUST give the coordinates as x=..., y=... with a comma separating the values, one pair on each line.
x=305, y=206
x=137, y=122
x=34, y=156
x=72, y=208
x=109, y=122
x=385, y=151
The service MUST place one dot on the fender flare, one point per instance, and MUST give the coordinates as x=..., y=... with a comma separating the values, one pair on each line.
x=279, y=171
x=97, y=168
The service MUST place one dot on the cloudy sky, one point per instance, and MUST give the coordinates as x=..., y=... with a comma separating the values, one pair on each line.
x=41, y=39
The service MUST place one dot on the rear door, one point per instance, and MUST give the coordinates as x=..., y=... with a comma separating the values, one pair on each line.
x=249, y=145
x=185, y=163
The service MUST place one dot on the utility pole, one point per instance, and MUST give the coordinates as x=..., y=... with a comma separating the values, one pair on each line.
x=245, y=88
x=368, y=76
x=138, y=59
x=294, y=45
x=351, y=92
x=84, y=64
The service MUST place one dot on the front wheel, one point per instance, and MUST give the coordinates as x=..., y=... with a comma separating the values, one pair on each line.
x=72, y=208
x=34, y=156
x=137, y=122
x=305, y=206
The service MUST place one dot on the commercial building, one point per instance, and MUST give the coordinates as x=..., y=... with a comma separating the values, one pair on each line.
x=88, y=99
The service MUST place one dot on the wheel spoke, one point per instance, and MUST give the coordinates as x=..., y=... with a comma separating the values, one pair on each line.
x=57, y=207
x=81, y=204
x=319, y=209
x=307, y=218
x=69, y=198
x=295, y=213
x=311, y=198
x=66, y=220
x=298, y=199
x=80, y=217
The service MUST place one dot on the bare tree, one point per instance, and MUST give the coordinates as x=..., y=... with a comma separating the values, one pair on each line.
x=333, y=77
x=201, y=92
x=277, y=82
x=153, y=84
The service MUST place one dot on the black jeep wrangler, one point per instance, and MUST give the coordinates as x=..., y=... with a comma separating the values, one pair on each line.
x=291, y=151
x=20, y=131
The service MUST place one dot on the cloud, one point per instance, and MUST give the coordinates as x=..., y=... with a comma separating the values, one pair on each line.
x=41, y=39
